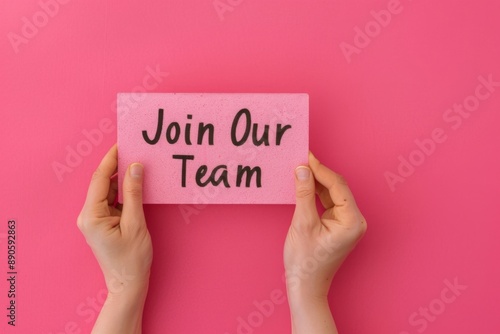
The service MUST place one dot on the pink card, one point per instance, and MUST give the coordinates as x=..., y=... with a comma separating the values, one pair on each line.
x=214, y=148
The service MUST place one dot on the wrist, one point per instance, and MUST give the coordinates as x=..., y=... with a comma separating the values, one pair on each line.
x=122, y=312
x=307, y=292
x=307, y=289
x=125, y=286
x=131, y=293
x=303, y=298
x=130, y=302
x=310, y=313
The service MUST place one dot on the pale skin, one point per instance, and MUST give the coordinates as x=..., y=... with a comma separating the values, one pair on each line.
x=315, y=246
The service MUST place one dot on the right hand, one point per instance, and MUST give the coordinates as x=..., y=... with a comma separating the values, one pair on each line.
x=316, y=246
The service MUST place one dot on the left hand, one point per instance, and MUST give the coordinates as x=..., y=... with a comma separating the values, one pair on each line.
x=118, y=236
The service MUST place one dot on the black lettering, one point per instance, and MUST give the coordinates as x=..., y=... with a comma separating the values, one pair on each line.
x=184, y=158
x=201, y=173
x=201, y=132
x=280, y=132
x=249, y=173
x=265, y=136
x=213, y=176
x=187, y=135
x=222, y=177
x=177, y=132
x=159, y=127
x=234, y=126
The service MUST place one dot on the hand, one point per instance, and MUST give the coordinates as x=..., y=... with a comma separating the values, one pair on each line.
x=120, y=241
x=316, y=246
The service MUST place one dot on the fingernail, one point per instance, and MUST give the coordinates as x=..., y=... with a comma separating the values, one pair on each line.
x=302, y=173
x=136, y=170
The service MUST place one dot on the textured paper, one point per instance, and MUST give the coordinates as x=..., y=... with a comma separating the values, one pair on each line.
x=253, y=167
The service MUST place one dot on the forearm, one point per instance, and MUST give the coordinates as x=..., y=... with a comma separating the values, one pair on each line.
x=121, y=314
x=311, y=315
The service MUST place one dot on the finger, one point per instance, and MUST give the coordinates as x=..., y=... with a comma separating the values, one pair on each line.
x=338, y=190
x=99, y=185
x=306, y=214
x=133, y=212
x=113, y=191
x=324, y=195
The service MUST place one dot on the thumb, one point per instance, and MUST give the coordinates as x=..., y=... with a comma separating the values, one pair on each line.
x=306, y=214
x=133, y=211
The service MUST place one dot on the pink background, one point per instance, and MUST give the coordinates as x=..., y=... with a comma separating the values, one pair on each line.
x=163, y=179
x=442, y=223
